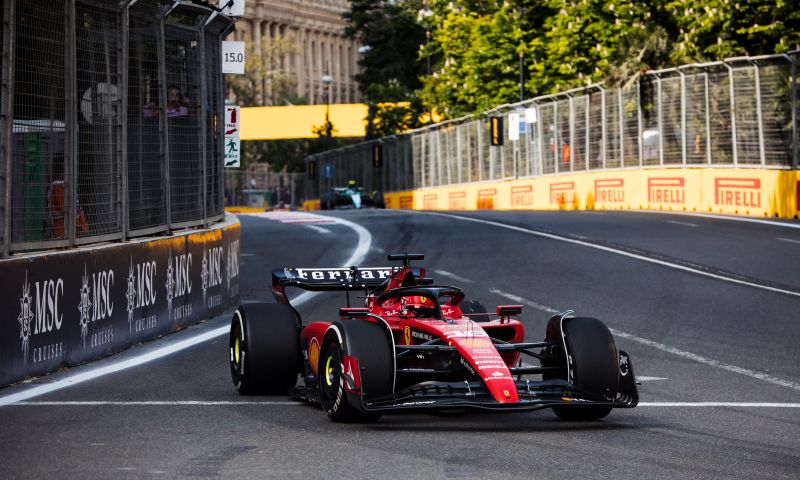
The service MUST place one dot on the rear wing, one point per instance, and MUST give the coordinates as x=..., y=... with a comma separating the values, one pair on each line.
x=332, y=279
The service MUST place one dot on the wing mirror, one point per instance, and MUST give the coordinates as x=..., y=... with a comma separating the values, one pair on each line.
x=507, y=311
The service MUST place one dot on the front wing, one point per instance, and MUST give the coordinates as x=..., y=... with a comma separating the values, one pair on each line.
x=473, y=395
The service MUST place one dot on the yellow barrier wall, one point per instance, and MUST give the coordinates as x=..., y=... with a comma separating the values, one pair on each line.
x=750, y=192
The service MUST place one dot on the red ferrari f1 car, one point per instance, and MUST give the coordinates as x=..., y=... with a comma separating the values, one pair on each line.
x=415, y=346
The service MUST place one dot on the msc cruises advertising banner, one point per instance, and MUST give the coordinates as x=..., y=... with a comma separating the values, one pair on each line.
x=67, y=308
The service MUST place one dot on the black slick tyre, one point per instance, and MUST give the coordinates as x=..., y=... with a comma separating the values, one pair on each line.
x=595, y=365
x=370, y=344
x=264, y=348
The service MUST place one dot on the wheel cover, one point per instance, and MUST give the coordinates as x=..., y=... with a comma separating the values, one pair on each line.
x=330, y=376
x=329, y=373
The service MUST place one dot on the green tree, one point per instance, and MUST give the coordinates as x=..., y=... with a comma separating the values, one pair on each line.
x=390, y=63
x=717, y=29
x=480, y=46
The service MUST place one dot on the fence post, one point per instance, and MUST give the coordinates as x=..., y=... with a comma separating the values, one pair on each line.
x=708, y=119
x=603, y=126
x=683, y=117
x=759, y=116
x=732, y=94
x=571, y=133
x=7, y=116
x=621, y=125
x=162, y=115
x=586, y=130
x=795, y=147
x=639, y=120
x=70, y=124
x=203, y=114
x=660, y=122
x=556, y=162
x=123, y=118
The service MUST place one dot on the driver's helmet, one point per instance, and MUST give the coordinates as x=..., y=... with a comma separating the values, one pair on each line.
x=418, y=306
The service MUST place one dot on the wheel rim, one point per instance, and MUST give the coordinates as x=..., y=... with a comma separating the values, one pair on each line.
x=329, y=377
x=329, y=371
x=237, y=353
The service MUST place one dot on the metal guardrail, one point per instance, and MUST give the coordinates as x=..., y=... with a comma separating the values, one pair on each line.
x=741, y=112
x=111, y=120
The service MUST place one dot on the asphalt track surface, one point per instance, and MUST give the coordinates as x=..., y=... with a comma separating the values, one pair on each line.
x=707, y=308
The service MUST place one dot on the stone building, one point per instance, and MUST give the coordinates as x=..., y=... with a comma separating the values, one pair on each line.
x=316, y=28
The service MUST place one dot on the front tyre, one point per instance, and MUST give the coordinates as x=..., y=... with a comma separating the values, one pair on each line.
x=361, y=345
x=264, y=348
x=594, y=365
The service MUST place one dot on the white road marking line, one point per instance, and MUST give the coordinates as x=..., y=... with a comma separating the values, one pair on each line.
x=669, y=349
x=614, y=251
x=356, y=258
x=445, y=273
x=685, y=224
x=788, y=240
x=298, y=218
x=708, y=361
x=318, y=229
x=279, y=403
x=524, y=301
x=93, y=373
x=786, y=224
x=720, y=404
x=150, y=403
x=649, y=379
x=246, y=254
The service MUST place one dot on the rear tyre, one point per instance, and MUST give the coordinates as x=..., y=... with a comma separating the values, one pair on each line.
x=473, y=307
x=367, y=342
x=264, y=348
x=595, y=365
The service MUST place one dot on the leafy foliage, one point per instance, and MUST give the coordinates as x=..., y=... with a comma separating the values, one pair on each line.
x=567, y=44
x=390, y=64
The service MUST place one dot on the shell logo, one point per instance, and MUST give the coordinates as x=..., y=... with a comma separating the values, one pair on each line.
x=313, y=355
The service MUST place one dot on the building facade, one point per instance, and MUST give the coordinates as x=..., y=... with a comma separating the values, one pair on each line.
x=316, y=30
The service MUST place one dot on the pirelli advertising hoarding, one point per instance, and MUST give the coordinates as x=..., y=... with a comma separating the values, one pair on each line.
x=67, y=308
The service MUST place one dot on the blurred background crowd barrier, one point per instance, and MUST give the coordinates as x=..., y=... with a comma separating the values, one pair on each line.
x=111, y=119
x=741, y=112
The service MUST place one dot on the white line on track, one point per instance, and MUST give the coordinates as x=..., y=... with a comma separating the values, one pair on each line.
x=524, y=301
x=708, y=361
x=640, y=378
x=788, y=240
x=318, y=229
x=685, y=224
x=356, y=258
x=447, y=274
x=212, y=403
x=615, y=251
x=149, y=403
x=720, y=404
x=786, y=224
x=666, y=348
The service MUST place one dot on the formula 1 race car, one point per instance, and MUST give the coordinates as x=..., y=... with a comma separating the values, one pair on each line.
x=415, y=346
x=351, y=196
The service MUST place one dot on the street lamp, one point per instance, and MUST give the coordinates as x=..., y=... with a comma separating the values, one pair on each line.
x=327, y=80
x=424, y=17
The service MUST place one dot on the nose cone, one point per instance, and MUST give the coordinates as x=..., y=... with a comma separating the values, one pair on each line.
x=477, y=349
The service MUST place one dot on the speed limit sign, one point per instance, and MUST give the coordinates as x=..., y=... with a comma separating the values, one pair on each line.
x=233, y=57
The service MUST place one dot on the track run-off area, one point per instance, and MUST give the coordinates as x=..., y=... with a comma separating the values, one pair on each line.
x=708, y=308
